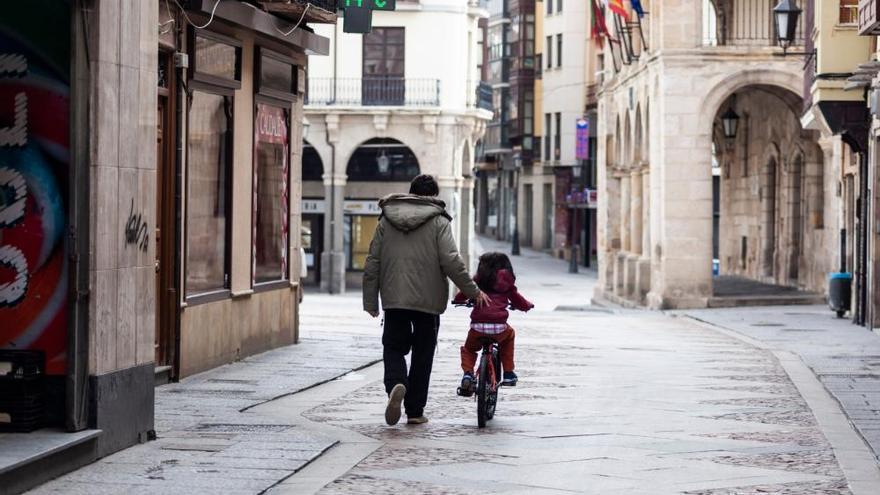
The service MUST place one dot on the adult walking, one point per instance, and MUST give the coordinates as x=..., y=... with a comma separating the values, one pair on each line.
x=412, y=253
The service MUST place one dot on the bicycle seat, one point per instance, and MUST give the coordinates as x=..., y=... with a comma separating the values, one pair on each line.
x=487, y=341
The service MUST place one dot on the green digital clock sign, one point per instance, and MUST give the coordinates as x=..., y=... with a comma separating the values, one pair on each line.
x=369, y=4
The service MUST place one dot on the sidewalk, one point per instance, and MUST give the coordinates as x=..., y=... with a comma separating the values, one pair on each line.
x=209, y=438
x=845, y=357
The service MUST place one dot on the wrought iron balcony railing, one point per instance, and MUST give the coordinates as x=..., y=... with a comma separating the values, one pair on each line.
x=373, y=91
x=743, y=23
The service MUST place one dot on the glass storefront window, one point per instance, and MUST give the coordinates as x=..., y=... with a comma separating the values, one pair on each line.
x=271, y=139
x=216, y=59
x=358, y=234
x=207, y=192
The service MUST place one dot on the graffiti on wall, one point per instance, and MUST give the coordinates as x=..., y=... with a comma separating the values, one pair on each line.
x=34, y=164
x=136, y=232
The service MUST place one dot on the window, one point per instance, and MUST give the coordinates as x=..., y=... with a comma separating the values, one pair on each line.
x=558, y=5
x=358, y=234
x=216, y=59
x=558, y=50
x=549, y=47
x=208, y=192
x=528, y=111
x=849, y=12
x=549, y=6
x=383, y=66
x=557, y=144
x=272, y=139
x=276, y=75
x=548, y=120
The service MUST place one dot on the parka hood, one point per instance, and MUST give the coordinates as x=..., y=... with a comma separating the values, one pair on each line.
x=407, y=212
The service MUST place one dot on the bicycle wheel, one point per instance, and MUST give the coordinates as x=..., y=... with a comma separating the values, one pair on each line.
x=483, y=391
x=492, y=399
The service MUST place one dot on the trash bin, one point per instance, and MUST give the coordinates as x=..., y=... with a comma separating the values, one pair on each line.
x=840, y=292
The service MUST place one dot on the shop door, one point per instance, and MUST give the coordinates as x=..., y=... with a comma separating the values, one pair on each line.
x=164, y=234
x=313, y=243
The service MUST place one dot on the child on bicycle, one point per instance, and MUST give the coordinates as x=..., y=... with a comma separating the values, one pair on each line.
x=496, y=279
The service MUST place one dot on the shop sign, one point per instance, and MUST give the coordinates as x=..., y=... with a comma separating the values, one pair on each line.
x=313, y=206
x=582, y=139
x=362, y=207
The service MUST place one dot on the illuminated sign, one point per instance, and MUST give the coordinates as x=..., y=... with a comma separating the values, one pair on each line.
x=368, y=4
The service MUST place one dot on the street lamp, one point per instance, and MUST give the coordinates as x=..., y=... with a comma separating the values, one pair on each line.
x=729, y=123
x=786, y=14
x=383, y=162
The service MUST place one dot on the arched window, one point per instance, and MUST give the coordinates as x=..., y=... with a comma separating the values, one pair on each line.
x=312, y=166
x=382, y=159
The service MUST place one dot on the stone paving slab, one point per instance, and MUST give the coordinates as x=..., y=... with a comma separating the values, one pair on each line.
x=209, y=441
x=845, y=357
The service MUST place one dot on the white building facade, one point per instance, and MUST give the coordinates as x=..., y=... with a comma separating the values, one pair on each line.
x=381, y=109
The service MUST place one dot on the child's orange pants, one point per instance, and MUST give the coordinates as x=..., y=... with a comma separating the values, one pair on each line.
x=472, y=345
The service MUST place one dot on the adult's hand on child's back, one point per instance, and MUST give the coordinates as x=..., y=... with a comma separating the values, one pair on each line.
x=482, y=299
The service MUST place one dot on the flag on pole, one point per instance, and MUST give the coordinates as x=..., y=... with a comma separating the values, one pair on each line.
x=599, y=29
x=637, y=7
x=617, y=7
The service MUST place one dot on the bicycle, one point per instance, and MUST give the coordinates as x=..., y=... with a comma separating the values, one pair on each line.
x=489, y=376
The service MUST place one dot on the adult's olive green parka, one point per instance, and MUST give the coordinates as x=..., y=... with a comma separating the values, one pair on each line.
x=412, y=253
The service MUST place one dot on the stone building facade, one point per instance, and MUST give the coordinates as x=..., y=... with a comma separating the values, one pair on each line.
x=380, y=111
x=154, y=161
x=661, y=132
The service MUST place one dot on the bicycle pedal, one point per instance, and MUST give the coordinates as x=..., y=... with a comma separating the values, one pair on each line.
x=463, y=393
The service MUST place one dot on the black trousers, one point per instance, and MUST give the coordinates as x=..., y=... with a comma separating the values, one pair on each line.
x=407, y=330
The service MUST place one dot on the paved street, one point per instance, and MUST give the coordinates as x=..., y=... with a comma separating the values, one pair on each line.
x=609, y=401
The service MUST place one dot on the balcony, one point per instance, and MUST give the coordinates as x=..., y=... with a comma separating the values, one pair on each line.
x=742, y=23
x=481, y=96
x=373, y=91
x=592, y=95
x=869, y=17
x=319, y=11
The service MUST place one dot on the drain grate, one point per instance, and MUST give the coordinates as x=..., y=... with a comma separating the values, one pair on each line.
x=767, y=324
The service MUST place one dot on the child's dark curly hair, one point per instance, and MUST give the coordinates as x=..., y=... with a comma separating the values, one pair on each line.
x=489, y=265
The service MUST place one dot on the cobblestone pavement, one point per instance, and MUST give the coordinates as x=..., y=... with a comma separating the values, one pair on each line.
x=608, y=402
x=845, y=357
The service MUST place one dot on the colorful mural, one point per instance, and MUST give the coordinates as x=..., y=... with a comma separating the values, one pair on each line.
x=34, y=166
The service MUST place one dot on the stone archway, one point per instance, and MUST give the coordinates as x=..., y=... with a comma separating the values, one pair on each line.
x=764, y=240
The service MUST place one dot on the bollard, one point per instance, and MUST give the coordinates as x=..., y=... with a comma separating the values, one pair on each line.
x=573, y=260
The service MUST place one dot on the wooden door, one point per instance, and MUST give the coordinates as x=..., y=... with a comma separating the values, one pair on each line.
x=167, y=294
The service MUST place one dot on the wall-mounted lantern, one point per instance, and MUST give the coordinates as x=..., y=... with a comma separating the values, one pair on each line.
x=786, y=14
x=384, y=163
x=729, y=123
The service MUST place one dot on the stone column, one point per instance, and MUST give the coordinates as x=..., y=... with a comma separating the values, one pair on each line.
x=620, y=277
x=466, y=221
x=333, y=257
x=625, y=213
x=636, y=212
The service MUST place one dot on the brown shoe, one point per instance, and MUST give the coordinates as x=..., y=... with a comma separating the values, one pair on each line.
x=418, y=420
x=392, y=409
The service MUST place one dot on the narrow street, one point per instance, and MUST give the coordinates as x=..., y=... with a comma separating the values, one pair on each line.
x=609, y=401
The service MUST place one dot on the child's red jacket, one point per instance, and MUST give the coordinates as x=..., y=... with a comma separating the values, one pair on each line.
x=504, y=293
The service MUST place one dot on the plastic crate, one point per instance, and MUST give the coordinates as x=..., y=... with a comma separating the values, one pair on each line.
x=22, y=390
x=19, y=365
